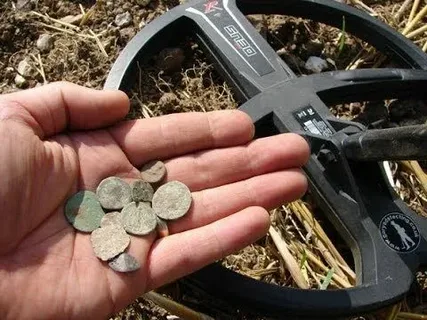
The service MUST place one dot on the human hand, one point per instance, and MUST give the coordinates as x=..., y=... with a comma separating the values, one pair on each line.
x=62, y=138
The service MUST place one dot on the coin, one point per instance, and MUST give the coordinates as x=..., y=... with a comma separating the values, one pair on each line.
x=111, y=218
x=153, y=171
x=141, y=191
x=84, y=211
x=172, y=200
x=109, y=241
x=162, y=228
x=138, y=219
x=114, y=193
x=124, y=262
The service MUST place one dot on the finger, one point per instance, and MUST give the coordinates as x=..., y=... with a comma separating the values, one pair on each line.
x=52, y=108
x=267, y=191
x=177, y=255
x=178, y=134
x=221, y=166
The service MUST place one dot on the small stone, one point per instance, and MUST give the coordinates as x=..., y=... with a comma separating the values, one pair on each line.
x=83, y=211
x=71, y=19
x=114, y=193
x=124, y=262
x=170, y=59
x=138, y=219
x=111, y=218
x=45, y=42
x=143, y=3
x=153, y=171
x=172, y=200
x=142, y=191
x=126, y=34
x=109, y=241
x=20, y=81
x=162, y=228
x=316, y=64
x=123, y=19
x=24, y=68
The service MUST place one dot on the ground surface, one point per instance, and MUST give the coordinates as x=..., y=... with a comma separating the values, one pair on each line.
x=86, y=38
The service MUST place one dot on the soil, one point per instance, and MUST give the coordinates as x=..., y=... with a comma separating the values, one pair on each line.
x=182, y=79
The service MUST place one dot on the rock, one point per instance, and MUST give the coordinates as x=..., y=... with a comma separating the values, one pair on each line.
x=45, y=42
x=126, y=34
x=316, y=64
x=170, y=59
x=24, y=70
x=143, y=3
x=123, y=19
x=75, y=20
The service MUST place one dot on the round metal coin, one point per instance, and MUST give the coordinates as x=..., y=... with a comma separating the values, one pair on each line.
x=114, y=193
x=109, y=241
x=142, y=191
x=124, y=262
x=111, y=218
x=172, y=200
x=153, y=171
x=138, y=219
x=83, y=211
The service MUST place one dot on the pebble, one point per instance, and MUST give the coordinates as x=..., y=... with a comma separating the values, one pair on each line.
x=24, y=70
x=123, y=19
x=153, y=171
x=316, y=64
x=111, y=218
x=114, y=193
x=124, y=262
x=138, y=219
x=172, y=200
x=143, y=3
x=142, y=191
x=109, y=241
x=83, y=211
x=45, y=42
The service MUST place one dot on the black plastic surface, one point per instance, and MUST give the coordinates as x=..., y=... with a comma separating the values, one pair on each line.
x=354, y=195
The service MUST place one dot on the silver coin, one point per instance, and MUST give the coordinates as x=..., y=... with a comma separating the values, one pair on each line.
x=83, y=211
x=142, y=191
x=138, y=218
x=153, y=171
x=109, y=241
x=114, y=193
x=162, y=228
x=111, y=218
x=172, y=200
x=124, y=262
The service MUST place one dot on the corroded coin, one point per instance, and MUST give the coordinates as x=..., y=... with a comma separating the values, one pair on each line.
x=162, y=228
x=172, y=200
x=109, y=241
x=153, y=171
x=114, y=193
x=142, y=191
x=124, y=262
x=111, y=218
x=83, y=211
x=138, y=218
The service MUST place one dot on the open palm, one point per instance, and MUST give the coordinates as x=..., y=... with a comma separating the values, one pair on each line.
x=61, y=138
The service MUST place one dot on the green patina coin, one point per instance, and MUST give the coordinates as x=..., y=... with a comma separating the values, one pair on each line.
x=84, y=211
x=142, y=191
x=138, y=218
x=172, y=200
x=124, y=262
x=114, y=193
x=109, y=241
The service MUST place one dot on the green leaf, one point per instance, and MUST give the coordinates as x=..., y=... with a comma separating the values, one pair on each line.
x=324, y=285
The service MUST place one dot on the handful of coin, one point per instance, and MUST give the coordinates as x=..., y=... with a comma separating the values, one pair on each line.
x=119, y=208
